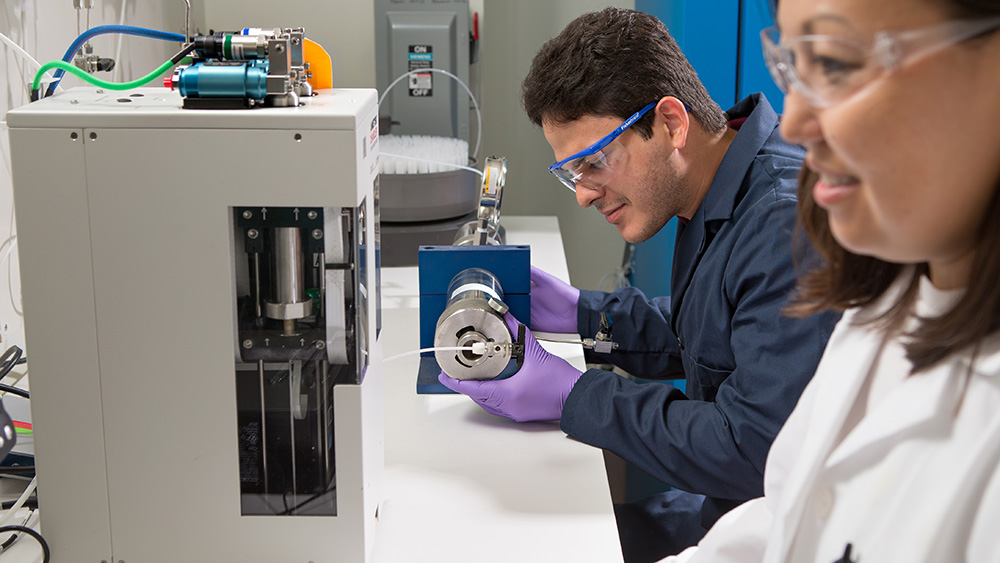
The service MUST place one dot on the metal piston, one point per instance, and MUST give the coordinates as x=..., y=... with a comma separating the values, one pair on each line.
x=473, y=314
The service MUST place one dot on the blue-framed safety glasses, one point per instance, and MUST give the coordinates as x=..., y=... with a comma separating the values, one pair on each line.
x=594, y=166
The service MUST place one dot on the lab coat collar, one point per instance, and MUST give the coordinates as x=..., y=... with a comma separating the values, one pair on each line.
x=760, y=125
x=722, y=197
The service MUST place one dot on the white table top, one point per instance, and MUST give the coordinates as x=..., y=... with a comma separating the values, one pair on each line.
x=462, y=485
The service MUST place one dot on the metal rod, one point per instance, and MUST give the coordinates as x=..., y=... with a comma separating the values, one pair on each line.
x=291, y=432
x=263, y=423
x=187, y=21
x=324, y=415
x=256, y=282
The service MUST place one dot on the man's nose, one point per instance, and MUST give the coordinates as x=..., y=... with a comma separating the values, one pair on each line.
x=587, y=196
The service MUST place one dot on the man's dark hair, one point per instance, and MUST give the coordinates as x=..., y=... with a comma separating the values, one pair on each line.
x=612, y=63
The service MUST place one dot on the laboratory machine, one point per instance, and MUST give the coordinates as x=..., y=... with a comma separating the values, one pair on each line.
x=201, y=297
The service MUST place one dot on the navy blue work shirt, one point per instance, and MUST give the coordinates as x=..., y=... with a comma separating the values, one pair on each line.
x=722, y=330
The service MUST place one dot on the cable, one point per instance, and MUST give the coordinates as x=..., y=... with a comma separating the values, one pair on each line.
x=13, y=537
x=476, y=348
x=16, y=469
x=45, y=546
x=32, y=502
x=19, y=50
x=479, y=116
x=20, y=502
x=8, y=337
x=14, y=391
x=10, y=358
x=106, y=29
x=103, y=83
x=118, y=48
x=389, y=154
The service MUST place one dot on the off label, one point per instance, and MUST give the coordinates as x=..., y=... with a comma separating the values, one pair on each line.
x=419, y=57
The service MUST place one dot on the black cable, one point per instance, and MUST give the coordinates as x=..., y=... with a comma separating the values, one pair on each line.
x=9, y=389
x=32, y=533
x=16, y=469
x=183, y=53
x=302, y=504
x=10, y=358
x=32, y=502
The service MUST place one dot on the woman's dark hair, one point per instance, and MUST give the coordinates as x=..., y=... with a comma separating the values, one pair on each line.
x=612, y=63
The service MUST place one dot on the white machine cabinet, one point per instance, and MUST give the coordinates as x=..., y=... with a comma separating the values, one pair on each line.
x=201, y=298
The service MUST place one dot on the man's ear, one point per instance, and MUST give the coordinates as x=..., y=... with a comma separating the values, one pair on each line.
x=673, y=119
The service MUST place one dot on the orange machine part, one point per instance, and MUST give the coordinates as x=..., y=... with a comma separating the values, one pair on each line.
x=320, y=65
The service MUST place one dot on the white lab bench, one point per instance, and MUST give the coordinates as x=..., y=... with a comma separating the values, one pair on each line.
x=462, y=485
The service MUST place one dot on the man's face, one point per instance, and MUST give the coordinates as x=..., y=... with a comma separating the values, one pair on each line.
x=645, y=190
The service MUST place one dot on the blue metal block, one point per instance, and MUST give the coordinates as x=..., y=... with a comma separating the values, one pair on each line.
x=511, y=265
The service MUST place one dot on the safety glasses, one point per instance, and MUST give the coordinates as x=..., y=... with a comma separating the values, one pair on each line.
x=828, y=69
x=594, y=166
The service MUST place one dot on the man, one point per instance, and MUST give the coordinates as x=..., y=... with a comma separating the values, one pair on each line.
x=730, y=180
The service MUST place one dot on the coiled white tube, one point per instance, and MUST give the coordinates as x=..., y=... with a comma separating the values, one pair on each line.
x=475, y=104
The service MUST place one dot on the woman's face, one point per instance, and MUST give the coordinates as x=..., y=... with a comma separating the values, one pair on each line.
x=908, y=163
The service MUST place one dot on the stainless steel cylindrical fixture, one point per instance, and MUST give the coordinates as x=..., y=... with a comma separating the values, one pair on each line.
x=468, y=235
x=289, y=300
x=473, y=314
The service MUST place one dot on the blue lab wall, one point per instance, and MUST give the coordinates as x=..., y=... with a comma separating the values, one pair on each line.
x=721, y=38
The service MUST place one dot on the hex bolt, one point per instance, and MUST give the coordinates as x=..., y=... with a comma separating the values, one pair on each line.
x=253, y=233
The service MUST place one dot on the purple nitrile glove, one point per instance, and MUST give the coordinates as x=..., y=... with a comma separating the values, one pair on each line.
x=553, y=303
x=537, y=391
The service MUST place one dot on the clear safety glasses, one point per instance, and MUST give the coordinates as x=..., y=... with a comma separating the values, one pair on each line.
x=594, y=166
x=828, y=69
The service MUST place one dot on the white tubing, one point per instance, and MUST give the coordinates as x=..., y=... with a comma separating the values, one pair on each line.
x=17, y=48
x=479, y=116
x=118, y=49
x=20, y=502
x=476, y=348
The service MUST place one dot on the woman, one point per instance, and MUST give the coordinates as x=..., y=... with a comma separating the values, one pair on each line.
x=892, y=453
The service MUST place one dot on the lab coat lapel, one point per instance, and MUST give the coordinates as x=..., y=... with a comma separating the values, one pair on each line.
x=723, y=194
x=921, y=399
x=687, y=253
x=841, y=373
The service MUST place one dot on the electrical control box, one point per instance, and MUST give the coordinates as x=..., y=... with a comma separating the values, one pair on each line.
x=416, y=36
x=201, y=296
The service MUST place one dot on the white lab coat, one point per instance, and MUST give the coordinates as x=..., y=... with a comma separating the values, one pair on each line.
x=916, y=479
